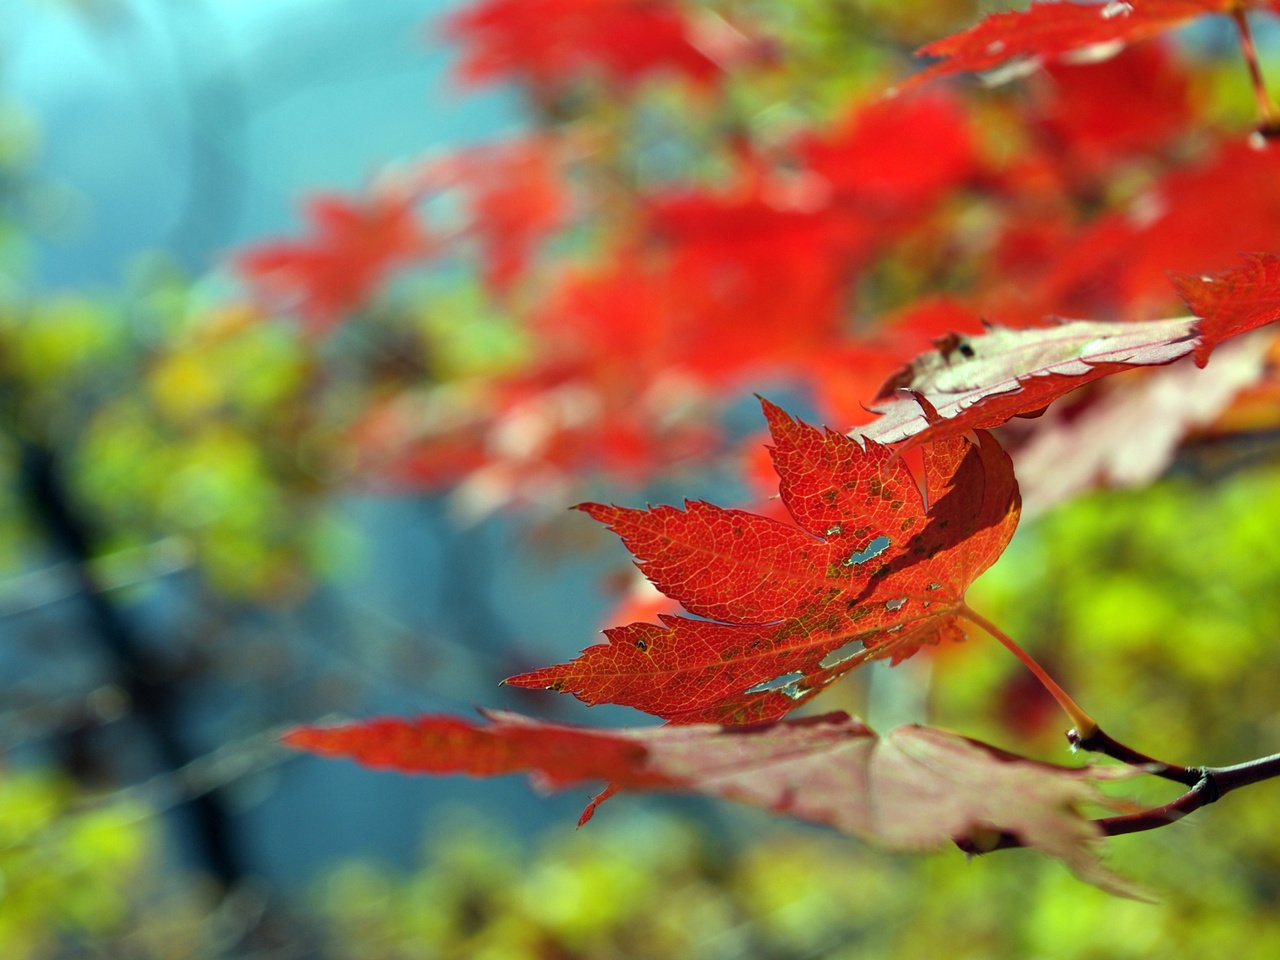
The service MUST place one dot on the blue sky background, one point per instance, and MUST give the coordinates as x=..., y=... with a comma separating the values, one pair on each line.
x=193, y=126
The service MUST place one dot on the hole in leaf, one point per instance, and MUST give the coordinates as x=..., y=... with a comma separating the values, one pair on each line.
x=895, y=604
x=778, y=683
x=841, y=654
x=873, y=549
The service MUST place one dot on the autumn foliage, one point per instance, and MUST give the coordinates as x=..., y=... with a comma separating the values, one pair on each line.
x=1022, y=271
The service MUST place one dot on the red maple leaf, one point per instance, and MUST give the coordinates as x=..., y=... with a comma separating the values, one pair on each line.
x=875, y=565
x=355, y=246
x=550, y=42
x=914, y=788
x=1051, y=30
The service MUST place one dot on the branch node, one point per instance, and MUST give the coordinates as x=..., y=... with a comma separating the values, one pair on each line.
x=1207, y=786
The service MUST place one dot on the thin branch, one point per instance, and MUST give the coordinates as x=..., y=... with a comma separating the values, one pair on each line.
x=1268, y=119
x=1100, y=742
x=1213, y=784
x=1072, y=709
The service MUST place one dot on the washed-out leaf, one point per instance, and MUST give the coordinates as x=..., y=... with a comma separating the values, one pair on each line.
x=1021, y=39
x=985, y=380
x=1130, y=429
x=915, y=788
x=876, y=564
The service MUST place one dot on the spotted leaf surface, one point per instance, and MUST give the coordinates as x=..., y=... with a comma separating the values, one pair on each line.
x=875, y=564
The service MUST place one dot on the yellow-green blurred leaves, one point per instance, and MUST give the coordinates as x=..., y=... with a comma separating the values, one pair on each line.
x=56, y=338
x=465, y=335
x=65, y=868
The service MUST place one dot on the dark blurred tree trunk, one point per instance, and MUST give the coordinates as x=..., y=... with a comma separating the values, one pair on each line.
x=151, y=697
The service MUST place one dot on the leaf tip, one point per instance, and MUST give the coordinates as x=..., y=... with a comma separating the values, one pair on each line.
x=295, y=738
x=771, y=409
x=311, y=739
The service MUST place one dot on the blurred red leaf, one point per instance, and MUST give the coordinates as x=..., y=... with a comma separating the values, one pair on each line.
x=550, y=42
x=1096, y=113
x=1197, y=219
x=354, y=246
x=516, y=198
x=890, y=159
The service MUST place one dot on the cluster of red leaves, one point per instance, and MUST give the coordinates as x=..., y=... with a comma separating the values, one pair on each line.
x=709, y=290
x=875, y=564
x=702, y=289
x=719, y=288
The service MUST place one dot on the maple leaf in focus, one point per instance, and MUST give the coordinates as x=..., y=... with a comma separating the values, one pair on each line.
x=915, y=788
x=552, y=41
x=1045, y=31
x=985, y=380
x=354, y=247
x=876, y=564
